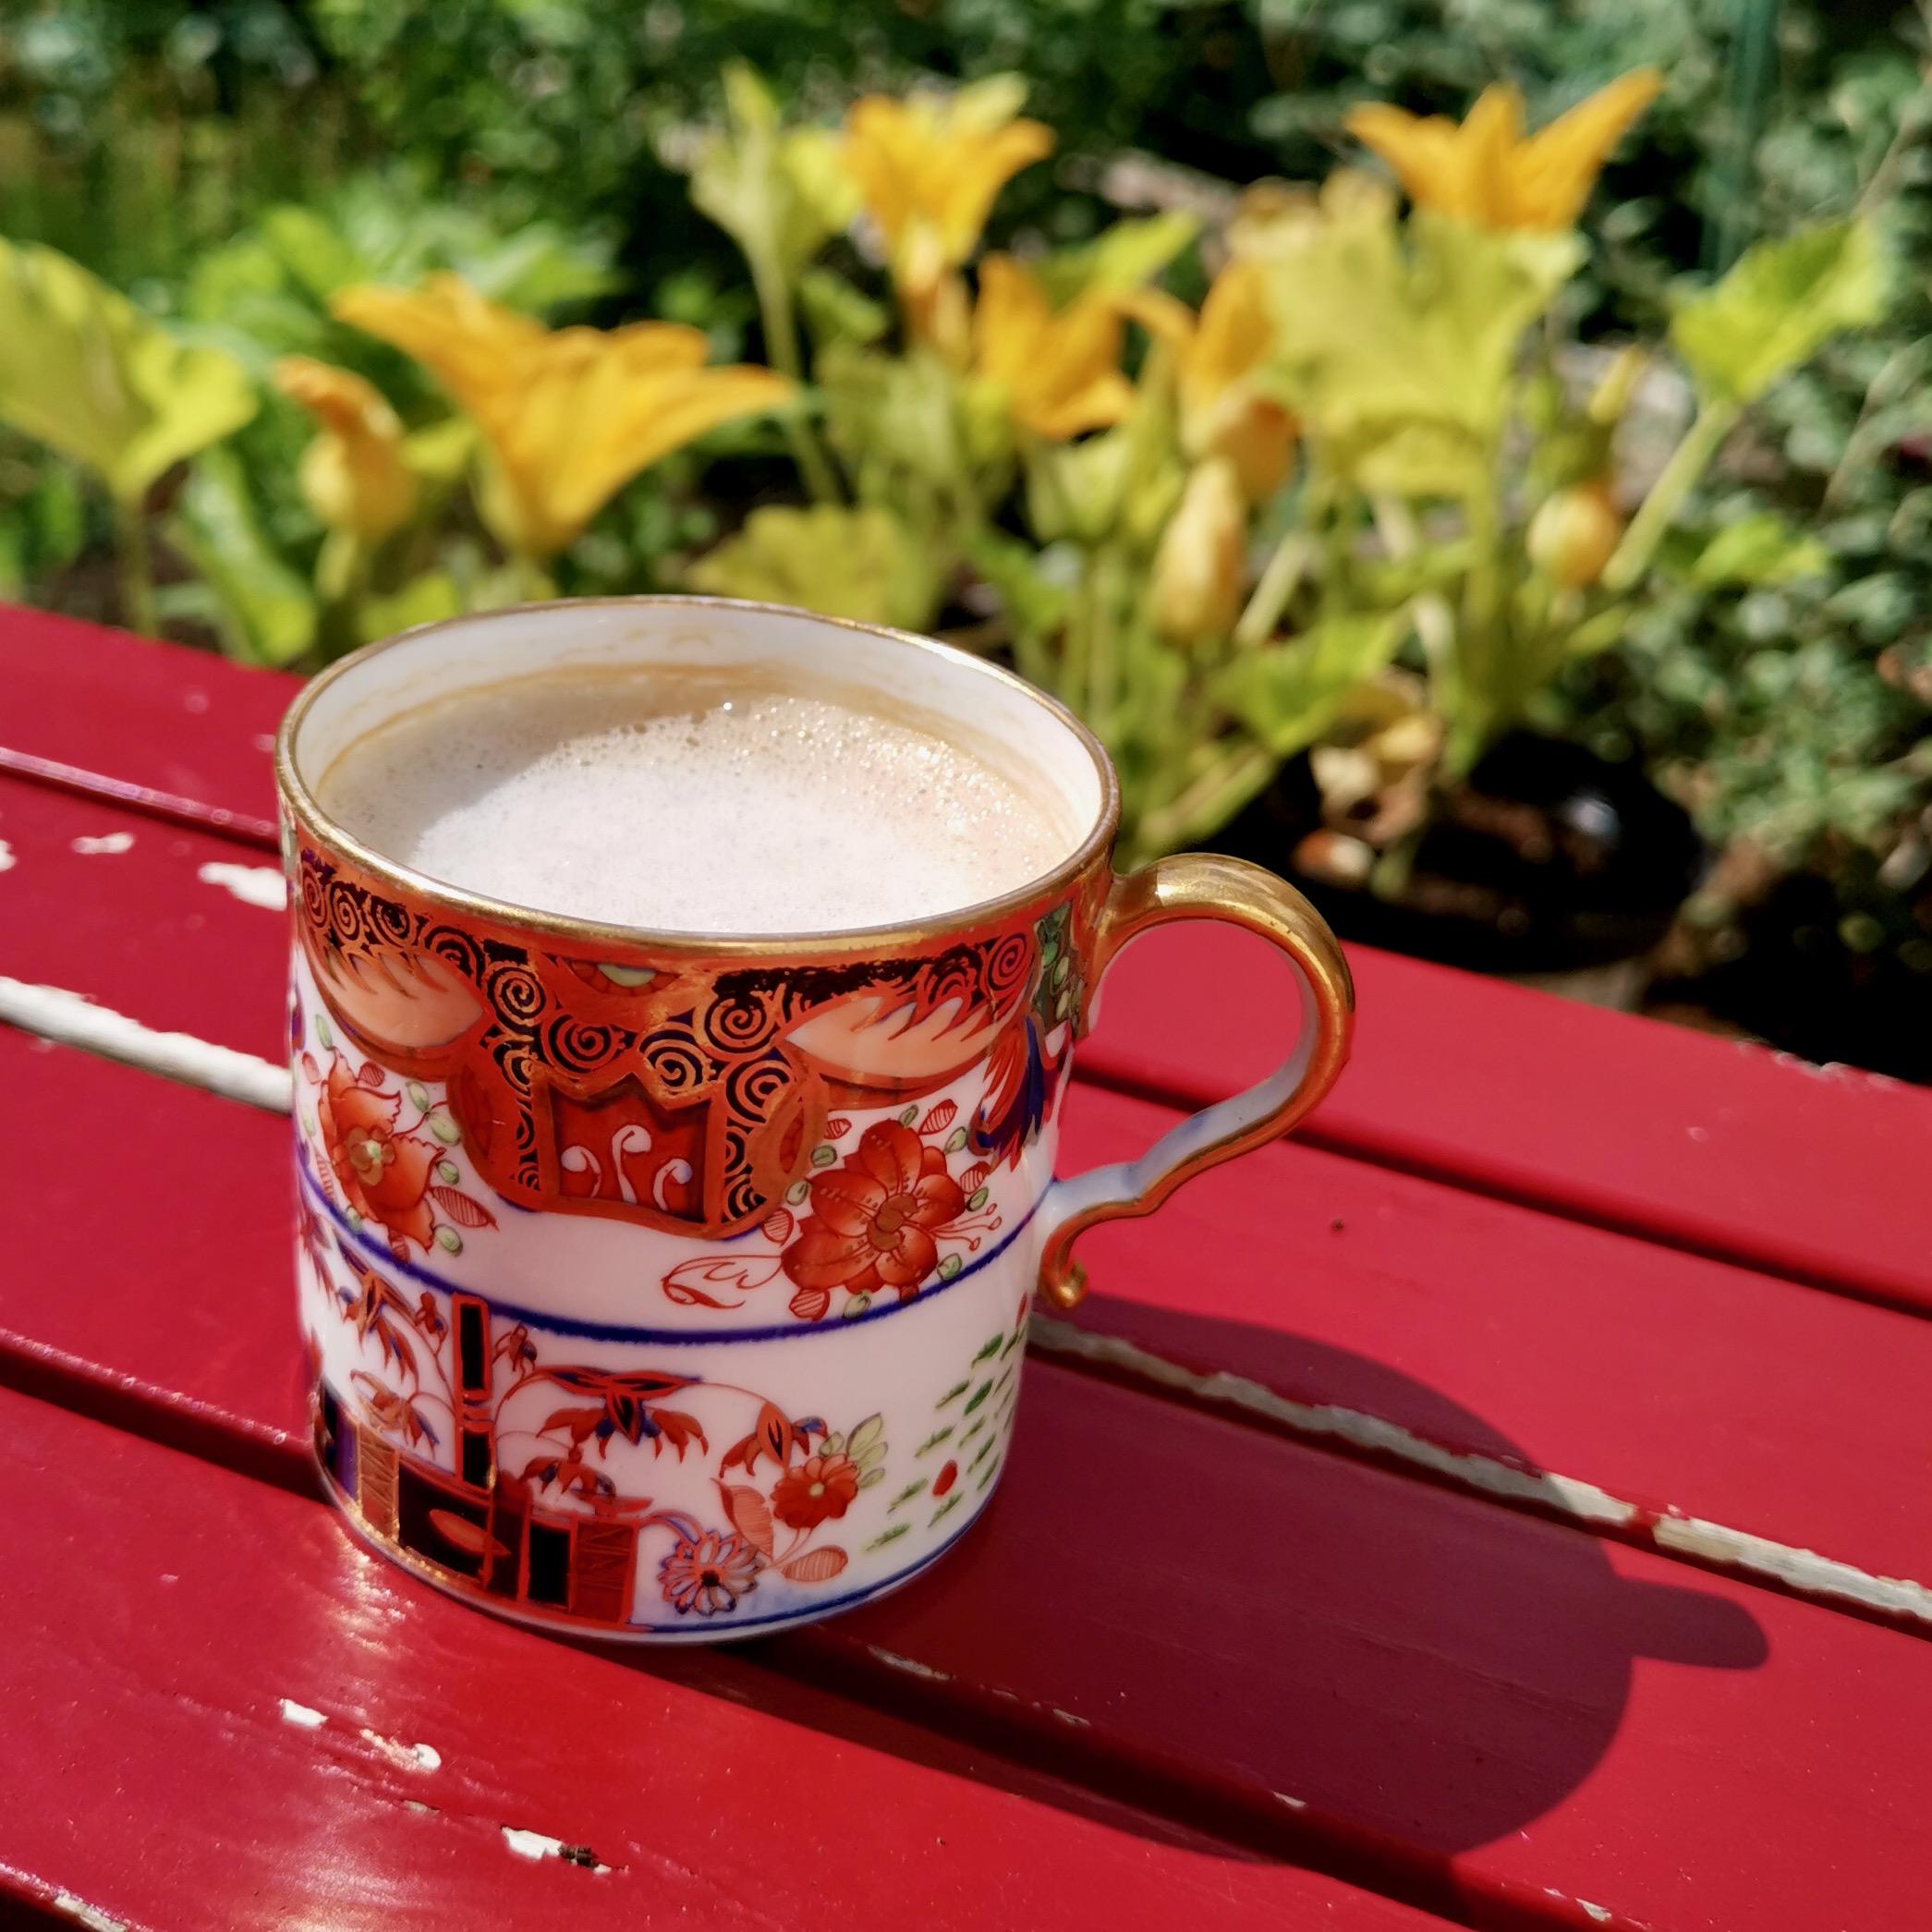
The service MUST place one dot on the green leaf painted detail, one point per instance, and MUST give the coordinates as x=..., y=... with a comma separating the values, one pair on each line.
x=934, y=1440
x=906, y=1495
x=953, y=1394
x=952, y=1502
x=977, y=1397
x=991, y=1348
x=888, y=1535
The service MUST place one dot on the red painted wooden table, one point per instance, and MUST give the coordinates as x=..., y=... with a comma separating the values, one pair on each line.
x=1506, y=1505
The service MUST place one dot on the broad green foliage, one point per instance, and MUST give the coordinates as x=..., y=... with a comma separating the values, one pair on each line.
x=1778, y=305
x=846, y=562
x=85, y=371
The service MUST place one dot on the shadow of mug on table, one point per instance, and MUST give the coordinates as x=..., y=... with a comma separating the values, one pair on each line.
x=1400, y=1656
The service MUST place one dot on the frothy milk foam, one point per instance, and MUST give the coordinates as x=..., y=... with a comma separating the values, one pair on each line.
x=692, y=804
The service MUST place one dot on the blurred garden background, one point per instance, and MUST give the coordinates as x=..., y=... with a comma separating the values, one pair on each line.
x=1523, y=538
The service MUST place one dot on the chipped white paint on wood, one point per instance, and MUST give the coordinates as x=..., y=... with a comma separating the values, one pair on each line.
x=8, y=860
x=253, y=885
x=302, y=1716
x=55, y=1014
x=107, y=842
x=71, y=1906
x=408, y=1756
x=1802, y=1571
x=540, y=1844
x=910, y=1665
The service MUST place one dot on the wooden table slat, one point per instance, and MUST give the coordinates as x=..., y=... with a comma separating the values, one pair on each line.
x=159, y=1611
x=1221, y=1622
x=1487, y=1331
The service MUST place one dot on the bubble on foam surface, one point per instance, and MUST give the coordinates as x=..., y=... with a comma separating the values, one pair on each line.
x=763, y=811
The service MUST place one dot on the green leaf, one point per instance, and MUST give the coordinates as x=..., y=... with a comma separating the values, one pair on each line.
x=779, y=194
x=845, y=562
x=872, y=1476
x=1759, y=549
x=1777, y=306
x=419, y=1095
x=835, y=311
x=989, y=1350
x=1399, y=349
x=427, y=599
x=978, y=1197
x=85, y=371
x=267, y=613
x=948, y=1268
x=863, y=1436
x=977, y=1397
x=1122, y=257
x=449, y=1241
x=887, y=1536
x=1289, y=694
x=445, y=1128
x=823, y=1156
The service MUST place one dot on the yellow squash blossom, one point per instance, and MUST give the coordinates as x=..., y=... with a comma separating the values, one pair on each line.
x=353, y=475
x=1487, y=172
x=1202, y=558
x=1058, y=370
x=928, y=172
x=1224, y=411
x=568, y=416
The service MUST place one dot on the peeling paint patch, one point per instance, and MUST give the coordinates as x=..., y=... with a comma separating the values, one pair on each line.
x=412, y=1757
x=301, y=1716
x=910, y=1665
x=1802, y=1571
x=8, y=860
x=1292, y=1803
x=534, y=1845
x=1601, y=1913
x=417, y=1804
x=253, y=885
x=1067, y=1716
x=82, y=1913
x=55, y=1014
x=107, y=842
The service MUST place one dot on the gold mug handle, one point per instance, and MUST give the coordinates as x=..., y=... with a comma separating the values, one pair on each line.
x=1197, y=885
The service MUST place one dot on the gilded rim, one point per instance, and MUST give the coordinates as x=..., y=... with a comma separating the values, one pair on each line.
x=308, y=814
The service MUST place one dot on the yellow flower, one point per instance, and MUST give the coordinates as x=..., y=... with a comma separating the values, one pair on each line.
x=353, y=475
x=1199, y=566
x=1224, y=412
x=928, y=172
x=1486, y=171
x=1059, y=370
x=569, y=415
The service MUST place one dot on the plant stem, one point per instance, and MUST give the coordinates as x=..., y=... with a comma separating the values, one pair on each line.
x=1208, y=802
x=137, y=569
x=1103, y=647
x=1279, y=578
x=1659, y=510
x=780, y=332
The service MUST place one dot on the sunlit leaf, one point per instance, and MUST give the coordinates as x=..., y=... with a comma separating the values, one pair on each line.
x=1761, y=548
x=267, y=613
x=1123, y=256
x=1290, y=693
x=84, y=371
x=1775, y=308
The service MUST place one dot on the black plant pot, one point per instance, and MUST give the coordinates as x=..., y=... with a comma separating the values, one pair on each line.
x=1546, y=861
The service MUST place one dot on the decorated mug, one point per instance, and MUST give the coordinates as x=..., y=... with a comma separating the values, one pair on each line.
x=676, y=1287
